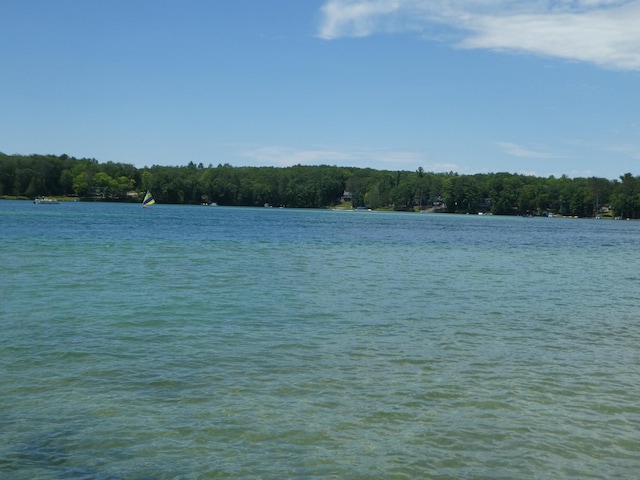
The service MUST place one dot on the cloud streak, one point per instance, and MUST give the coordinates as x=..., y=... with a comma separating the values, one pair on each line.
x=347, y=157
x=601, y=32
x=286, y=157
x=516, y=150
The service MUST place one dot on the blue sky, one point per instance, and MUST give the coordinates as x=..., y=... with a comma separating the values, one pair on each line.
x=470, y=86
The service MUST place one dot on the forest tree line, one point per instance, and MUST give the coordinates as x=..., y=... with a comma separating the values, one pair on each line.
x=30, y=176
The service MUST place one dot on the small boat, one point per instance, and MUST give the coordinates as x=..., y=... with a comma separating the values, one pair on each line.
x=45, y=201
x=148, y=200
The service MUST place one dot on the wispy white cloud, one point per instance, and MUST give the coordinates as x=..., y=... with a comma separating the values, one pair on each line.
x=360, y=18
x=602, y=32
x=285, y=157
x=630, y=151
x=446, y=167
x=348, y=157
x=515, y=150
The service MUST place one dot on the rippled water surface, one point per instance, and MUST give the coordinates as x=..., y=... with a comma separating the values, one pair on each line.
x=203, y=342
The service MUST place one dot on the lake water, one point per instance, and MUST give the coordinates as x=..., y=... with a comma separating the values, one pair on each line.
x=206, y=342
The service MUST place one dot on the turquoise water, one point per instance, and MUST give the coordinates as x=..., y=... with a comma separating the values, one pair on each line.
x=203, y=342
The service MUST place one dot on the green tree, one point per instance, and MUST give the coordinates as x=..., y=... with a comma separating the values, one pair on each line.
x=81, y=184
x=66, y=181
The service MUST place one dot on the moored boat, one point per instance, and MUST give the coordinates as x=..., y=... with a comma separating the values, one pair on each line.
x=45, y=201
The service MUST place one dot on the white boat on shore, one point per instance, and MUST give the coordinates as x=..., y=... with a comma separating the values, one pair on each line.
x=45, y=201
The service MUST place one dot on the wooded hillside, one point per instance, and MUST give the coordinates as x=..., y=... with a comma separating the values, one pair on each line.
x=319, y=187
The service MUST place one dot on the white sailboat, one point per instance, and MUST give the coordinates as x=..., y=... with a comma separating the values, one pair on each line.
x=148, y=200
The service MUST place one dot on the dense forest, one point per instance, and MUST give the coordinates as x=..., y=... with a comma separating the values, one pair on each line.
x=30, y=176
